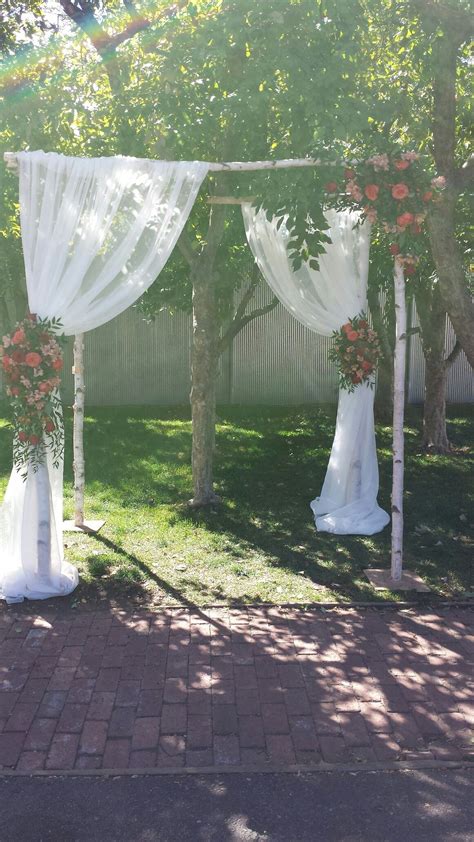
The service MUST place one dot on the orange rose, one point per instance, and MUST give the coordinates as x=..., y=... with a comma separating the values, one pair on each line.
x=352, y=335
x=18, y=337
x=405, y=219
x=372, y=191
x=401, y=165
x=33, y=359
x=57, y=364
x=427, y=197
x=400, y=191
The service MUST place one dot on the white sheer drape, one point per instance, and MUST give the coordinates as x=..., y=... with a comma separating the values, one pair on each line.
x=96, y=233
x=323, y=300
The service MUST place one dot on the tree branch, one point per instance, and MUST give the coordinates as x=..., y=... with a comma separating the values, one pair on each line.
x=452, y=357
x=237, y=326
x=81, y=12
x=185, y=246
x=456, y=20
x=378, y=322
x=249, y=293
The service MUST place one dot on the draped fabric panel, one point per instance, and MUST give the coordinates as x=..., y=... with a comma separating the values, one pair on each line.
x=96, y=233
x=323, y=300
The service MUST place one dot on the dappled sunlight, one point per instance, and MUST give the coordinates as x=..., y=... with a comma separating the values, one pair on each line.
x=260, y=544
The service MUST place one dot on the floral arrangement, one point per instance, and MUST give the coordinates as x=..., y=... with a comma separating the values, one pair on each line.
x=397, y=192
x=32, y=359
x=356, y=352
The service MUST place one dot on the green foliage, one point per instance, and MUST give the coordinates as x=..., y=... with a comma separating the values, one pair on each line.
x=223, y=80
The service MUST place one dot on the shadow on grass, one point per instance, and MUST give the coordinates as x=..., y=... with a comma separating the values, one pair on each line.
x=165, y=586
x=270, y=462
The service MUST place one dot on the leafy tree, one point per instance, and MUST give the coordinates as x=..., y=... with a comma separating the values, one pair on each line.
x=231, y=79
x=417, y=73
x=224, y=81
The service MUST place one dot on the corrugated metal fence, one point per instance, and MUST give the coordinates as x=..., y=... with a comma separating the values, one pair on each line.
x=274, y=360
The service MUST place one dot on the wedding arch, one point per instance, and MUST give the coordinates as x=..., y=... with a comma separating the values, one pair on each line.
x=95, y=234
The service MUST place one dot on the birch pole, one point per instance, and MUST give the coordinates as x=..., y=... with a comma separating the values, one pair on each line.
x=398, y=417
x=78, y=430
x=234, y=166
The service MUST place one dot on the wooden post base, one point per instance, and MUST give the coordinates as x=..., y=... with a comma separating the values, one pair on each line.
x=87, y=526
x=382, y=580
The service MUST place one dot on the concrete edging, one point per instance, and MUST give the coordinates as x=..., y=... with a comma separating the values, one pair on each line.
x=297, y=768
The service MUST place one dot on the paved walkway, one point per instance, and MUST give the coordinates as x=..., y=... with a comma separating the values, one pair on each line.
x=227, y=688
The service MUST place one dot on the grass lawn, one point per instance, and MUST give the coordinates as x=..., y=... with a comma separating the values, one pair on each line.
x=260, y=544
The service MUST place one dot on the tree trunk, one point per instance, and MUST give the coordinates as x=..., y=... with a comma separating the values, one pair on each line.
x=441, y=220
x=432, y=318
x=204, y=362
x=435, y=438
x=383, y=405
x=398, y=417
x=451, y=272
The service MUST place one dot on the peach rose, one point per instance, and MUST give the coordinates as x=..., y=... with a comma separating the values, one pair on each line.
x=401, y=165
x=18, y=337
x=371, y=191
x=400, y=191
x=405, y=219
x=352, y=335
x=33, y=359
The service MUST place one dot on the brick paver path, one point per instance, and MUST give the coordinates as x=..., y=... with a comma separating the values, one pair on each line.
x=227, y=687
